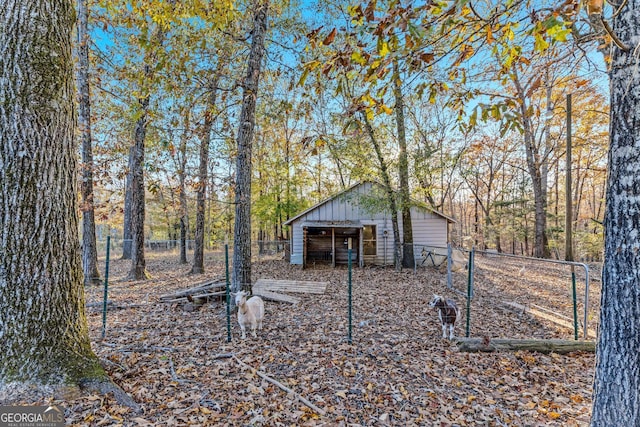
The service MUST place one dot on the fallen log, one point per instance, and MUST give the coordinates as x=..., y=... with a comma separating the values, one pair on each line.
x=484, y=345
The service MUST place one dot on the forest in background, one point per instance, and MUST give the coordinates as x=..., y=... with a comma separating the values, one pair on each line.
x=481, y=124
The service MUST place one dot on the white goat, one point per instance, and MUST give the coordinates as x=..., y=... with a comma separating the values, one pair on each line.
x=447, y=312
x=250, y=312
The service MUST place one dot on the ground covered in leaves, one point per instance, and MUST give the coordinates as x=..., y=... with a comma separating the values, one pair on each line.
x=398, y=370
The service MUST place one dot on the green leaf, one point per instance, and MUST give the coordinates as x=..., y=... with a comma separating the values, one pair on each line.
x=540, y=43
x=357, y=57
x=473, y=119
x=303, y=77
x=383, y=49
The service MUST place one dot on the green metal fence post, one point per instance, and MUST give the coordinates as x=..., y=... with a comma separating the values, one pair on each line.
x=227, y=293
x=350, y=313
x=575, y=303
x=469, y=291
x=449, y=262
x=106, y=289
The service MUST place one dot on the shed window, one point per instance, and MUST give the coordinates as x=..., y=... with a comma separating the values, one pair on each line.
x=369, y=239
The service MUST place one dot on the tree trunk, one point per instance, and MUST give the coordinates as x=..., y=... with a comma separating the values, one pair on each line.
x=182, y=176
x=126, y=223
x=538, y=180
x=541, y=244
x=616, y=400
x=408, y=260
x=138, y=263
x=89, y=250
x=391, y=197
x=43, y=329
x=205, y=140
x=242, y=226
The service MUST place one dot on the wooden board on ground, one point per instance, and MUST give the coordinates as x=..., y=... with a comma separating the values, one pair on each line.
x=274, y=296
x=473, y=345
x=298, y=286
x=214, y=285
x=197, y=296
x=546, y=315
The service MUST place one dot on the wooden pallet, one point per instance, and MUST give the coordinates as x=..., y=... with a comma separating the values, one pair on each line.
x=296, y=286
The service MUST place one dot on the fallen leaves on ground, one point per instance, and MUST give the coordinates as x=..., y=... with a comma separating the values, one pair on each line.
x=397, y=371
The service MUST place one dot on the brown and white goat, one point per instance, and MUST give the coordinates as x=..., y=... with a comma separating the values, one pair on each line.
x=447, y=312
x=250, y=312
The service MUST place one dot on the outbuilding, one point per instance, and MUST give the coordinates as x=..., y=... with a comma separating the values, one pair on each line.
x=321, y=233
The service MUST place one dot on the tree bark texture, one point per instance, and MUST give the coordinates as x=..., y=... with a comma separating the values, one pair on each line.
x=242, y=226
x=203, y=176
x=541, y=243
x=408, y=259
x=138, y=262
x=43, y=328
x=535, y=162
x=182, y=177
x=617, y=380
x=89, y=249
x=126, y=222
x=391, y=197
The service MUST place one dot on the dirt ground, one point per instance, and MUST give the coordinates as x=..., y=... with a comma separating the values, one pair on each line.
x=398, y=371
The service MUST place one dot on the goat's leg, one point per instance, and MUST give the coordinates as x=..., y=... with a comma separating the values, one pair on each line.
x=444, y=330
x=253, y=331
x=451, y=327
x=244, y=335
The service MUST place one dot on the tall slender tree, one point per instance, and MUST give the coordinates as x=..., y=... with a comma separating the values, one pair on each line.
x=89, y=249
x=242, y=226
x=201, y=198
x=391, y=202
x=408, y=259
x=136, y=173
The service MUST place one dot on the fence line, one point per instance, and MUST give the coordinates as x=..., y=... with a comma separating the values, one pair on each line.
x=456, y=259
x=259, y=248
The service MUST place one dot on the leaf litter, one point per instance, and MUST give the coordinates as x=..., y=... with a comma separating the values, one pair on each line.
x=398, y=370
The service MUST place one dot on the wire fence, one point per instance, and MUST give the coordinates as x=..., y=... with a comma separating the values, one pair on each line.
x=260, y=249
x=499, y=295
x=515, y=296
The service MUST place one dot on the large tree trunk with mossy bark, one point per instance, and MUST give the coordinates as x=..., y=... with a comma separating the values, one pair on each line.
x=43, y=328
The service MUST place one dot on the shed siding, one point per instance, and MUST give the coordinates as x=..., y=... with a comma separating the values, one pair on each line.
x=429, y=229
